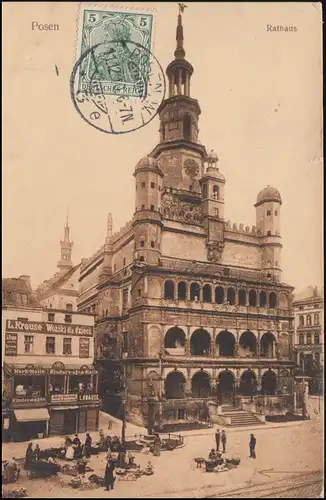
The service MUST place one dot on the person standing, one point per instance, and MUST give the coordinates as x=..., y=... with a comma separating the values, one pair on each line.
x=218, y=439
x=76, y=441
x=223, y=439
x=29, y=456
x=108, y=477
x=157, y=446
x=88, y=446
x=252, y=446
x=37, y=452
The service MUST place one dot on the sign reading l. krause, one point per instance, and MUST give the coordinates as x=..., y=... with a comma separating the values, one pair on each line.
x=13, y=325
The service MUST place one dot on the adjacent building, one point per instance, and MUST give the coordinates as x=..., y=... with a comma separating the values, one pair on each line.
x=49, y=381
x=308, y=307
x=190, y=306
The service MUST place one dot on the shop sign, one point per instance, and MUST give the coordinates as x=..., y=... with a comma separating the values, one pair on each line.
x=11, y=343
x=29, y=371
x=27, y=401
x=89, y=371
x=89, y=397
x=13, y=325
x=83, y=348
x=63, y=398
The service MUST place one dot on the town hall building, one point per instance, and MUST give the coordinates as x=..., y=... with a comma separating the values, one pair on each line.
x=191, y=309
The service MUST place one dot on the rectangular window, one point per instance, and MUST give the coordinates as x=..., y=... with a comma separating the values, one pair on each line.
x=216, y=212
x=152, y=207
x=83, y=348
x=67, y=346
x=51, y=317
x=68, y=318
x=50, y=345
x=142, y=243
x=28, y=342
x=152, y=184
x=269, y=212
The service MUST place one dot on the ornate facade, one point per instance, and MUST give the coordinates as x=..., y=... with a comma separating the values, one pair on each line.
x=309, y=338
x=189, y=304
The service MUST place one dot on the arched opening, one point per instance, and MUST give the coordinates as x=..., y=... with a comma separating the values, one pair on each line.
x=285, y=382
x=262, y=299
x=219, y=295
x=268, y=345
x=272, y=300
x=308, y=320
x=216, y=192
x=225, y=387
x=242, y=298
x=182, y=290
x=201, y=385
x=204, y=191
x=175, y=384
x=200, y=343
x=247, y=345
x=269, y=383
x=301, y=320
x=248, y=383
x=283, y=302
x=169, y=290
x=187, y=127
x=231, y=296
x=69, y=307
x=316, y=319
x=226, y=344
x=252, y=298
x=207, y=294
x=194, y=292
x=175, y=338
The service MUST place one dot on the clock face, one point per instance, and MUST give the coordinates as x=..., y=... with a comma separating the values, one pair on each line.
x=191, y=167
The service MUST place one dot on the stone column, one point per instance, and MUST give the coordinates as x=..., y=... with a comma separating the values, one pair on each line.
x=188, y=393
x=68, y=381
x=213, y=345
x=187, y=84
x=258, y=344
x=236, y=297
x=180, y=77
x=173, y=85
x=187, y=346
x=236, y=347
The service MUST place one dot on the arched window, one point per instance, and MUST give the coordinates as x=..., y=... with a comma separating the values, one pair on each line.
x=269, y=233
x=204, y=191
x=141, y=258
x=316, y=338
x=182, y=291
x=124, y=261
x=169, y=290
x=69, y=307
x=194, y=292
x=262, y=299
x=207, y=294
x=242, y=298
x=308, y=338
x=316, y=319
x=219, y=295
x=252, y=298
x=272, y=300
x=301, y=338
x=187, y=127
x=231, y=296
x=216, y=192
x=301, y=320
x=308, y=320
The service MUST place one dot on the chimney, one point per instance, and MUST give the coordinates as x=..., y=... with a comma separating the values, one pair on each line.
x=27, y=280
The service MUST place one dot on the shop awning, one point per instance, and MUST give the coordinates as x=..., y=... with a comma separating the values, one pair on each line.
x=32, y=415
x=57, y=408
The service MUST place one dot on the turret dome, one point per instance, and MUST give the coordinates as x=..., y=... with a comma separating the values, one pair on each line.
x=269, y=193
x=148, y=162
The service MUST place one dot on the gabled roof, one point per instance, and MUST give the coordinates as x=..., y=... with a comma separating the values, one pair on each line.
x=56, y=282
x=12, y=291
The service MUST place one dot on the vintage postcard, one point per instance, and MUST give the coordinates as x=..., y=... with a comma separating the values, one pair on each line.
x=162, y=290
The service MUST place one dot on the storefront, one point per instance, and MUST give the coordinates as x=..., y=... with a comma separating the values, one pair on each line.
x=6, y=413
x=29, y=423
x=73, y=419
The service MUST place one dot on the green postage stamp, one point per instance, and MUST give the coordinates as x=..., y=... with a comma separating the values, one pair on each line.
x=118, y=44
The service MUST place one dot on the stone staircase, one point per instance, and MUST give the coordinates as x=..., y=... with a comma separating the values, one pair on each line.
x=240, y=418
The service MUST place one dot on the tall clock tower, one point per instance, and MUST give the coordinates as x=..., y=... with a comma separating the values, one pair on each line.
x=179, y=152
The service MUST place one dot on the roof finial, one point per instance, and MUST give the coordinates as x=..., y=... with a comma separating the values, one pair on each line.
x=67, y=225
x=109, y=226
x=179, y=52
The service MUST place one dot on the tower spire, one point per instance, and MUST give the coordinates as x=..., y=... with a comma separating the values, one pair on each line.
x=179, y=52
x=67, y=229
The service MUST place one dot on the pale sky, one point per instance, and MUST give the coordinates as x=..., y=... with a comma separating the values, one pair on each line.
x=261, y=101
